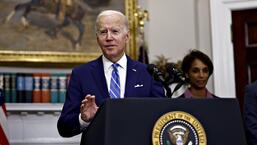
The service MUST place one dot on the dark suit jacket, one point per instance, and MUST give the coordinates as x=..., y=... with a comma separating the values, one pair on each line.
x=250, y=113
x=89, y=79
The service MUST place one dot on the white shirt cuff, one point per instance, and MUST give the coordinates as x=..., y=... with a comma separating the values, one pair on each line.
x=83, y=124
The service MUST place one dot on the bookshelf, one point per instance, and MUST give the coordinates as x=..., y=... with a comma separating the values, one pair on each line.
x=34, y=87
x=30, y=121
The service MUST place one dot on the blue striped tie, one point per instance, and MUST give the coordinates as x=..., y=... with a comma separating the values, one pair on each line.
x=115, y=82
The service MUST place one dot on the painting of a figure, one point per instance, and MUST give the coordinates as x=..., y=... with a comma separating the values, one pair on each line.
x=51, y=25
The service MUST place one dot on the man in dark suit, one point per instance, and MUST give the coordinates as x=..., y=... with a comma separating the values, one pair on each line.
x=250, y=113
x=90, y=84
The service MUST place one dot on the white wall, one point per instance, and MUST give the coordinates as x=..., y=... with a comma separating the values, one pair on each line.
x=175, y=26
x=171, y=28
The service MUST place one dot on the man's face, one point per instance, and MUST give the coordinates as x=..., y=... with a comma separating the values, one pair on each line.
x=112, y=36
x=198, y=74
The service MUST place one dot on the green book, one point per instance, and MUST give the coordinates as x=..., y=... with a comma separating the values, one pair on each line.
x=54, y=88
x=7, y=86
x=62, y=78
x=13, y=88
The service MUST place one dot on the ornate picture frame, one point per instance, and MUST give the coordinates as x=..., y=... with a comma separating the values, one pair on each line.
x=22, y=44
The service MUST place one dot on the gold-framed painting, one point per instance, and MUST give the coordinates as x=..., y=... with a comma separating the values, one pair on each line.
x=50, y=32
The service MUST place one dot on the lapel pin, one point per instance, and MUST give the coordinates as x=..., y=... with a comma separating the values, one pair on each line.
x=138, y=85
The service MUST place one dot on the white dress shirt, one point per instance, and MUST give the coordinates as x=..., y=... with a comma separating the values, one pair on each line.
x=122, y=69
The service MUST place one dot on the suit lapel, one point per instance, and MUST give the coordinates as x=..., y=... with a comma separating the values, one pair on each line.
x=99, y=77
x=132, y=76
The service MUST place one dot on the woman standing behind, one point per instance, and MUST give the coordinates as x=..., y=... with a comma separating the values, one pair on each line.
x=197, y=68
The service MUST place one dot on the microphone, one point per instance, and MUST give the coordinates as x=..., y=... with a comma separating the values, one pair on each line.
x=175, y=74
x=156, y=73
x=158, y=76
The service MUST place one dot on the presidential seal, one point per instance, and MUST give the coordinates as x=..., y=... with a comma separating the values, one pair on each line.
x=178, y=128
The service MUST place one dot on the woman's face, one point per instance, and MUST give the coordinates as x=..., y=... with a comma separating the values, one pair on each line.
x=198, y=74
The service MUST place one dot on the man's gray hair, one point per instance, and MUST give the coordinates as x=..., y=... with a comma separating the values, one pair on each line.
x=110, y=12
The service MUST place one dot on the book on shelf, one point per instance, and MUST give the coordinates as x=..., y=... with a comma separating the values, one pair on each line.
x=20, y=88
x=28, y=88
x=36, y=93
x=62, y=87
x=54, y=88
x=7, y=87
x=45, y=81
x=13, y=88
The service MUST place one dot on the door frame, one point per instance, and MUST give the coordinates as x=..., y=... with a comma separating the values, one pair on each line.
x=222, y=47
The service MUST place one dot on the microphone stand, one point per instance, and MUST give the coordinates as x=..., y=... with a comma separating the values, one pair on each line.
x=180, y=84
x=168, y=91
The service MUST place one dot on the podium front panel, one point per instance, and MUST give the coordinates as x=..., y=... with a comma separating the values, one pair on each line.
x=131, y=121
